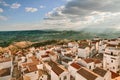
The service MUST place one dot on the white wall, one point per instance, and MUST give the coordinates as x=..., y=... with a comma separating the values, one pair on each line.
x=72, y=71
x=54, y=76
x=33, y=75
x=5, y=64
x=5, y=77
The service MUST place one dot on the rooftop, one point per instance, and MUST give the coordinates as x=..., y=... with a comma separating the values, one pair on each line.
x=100, y=71
x=87, y=74
x=57, y=69
x=75, y=65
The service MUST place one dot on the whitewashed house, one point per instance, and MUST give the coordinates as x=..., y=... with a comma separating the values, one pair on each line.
x=111, y=58
x=43, y=75
x=5, y=63
x=32, y=72
x=58, y=72
x=73, y=44
x=90, y=63
x=45, y=57
x=84, y=51
x=73, y=68
x=53, y=56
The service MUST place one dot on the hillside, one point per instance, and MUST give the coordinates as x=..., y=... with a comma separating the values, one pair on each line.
x=8, y=37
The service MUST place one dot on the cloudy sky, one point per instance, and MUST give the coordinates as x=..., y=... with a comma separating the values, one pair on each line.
x=59, y=14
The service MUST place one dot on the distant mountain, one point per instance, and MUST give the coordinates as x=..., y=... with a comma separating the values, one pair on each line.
x=8, y=37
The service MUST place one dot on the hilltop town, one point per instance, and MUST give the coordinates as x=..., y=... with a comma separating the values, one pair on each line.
x=95, y=59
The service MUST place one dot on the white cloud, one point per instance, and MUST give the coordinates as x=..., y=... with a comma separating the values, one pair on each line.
x=3, y=18
x=78, y=14
x=15, y=5
x=4, y=3
x=1, y=10
x=30, y=9
x=41, y=6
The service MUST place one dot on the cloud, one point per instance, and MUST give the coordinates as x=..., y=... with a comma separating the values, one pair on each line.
x=78, y=14
x=15, y=5
x=30, y=9
x=4, y=3
x=1, y=10
x=41, y=6
x=3, y=18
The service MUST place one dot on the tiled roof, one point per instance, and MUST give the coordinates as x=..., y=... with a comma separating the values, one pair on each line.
x=75, y=65
x=100, y=71
x=32, y=68
x=41, y=72
x=66, y=60
x=44, y=56
x=89, y=60
x=5, y=72
x=70, y=55
x=57, y=69
x=114, y=75
x=87, y=74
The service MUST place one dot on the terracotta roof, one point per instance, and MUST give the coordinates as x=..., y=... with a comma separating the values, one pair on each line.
x=41, y=72
x=96, y=61
x=87, y=74
x=29, y=64
x=100, y=71
x=114, y=75
x=57, y=69
x=83, y=45
x=89, y=60
x=75, y=65
x=34, y=59
x=50, y=52
x=111, y=45
x=66, y=60
x=44, y=56
x=69, y=55
x=5, y=72
x=32, y=68
x=52, y=63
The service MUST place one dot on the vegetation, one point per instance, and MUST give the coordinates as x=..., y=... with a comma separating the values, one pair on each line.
x=9, y=37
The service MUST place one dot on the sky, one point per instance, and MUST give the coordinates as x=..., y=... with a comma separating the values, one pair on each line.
x=59, y=14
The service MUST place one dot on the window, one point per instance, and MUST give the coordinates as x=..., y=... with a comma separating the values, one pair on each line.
x=111, y=53
x=113, y=67
x=112, y=61
x=89, y=67
x=65, y=77
x=35, y=72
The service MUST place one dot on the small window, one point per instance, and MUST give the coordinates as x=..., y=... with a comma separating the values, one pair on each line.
x=112, y=61
x=89, y=67
x=111, y=53
x=35, y=72
x=113, y=67
x=65, y=77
